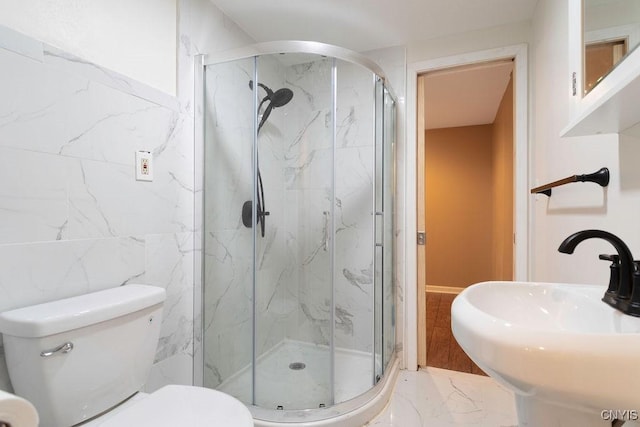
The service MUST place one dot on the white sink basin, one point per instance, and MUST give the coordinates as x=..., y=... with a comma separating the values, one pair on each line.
x=567, y=355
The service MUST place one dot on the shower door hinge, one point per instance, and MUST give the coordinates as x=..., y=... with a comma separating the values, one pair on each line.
x=421, y=237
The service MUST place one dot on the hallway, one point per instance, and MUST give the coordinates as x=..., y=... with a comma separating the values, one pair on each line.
x=442, y=349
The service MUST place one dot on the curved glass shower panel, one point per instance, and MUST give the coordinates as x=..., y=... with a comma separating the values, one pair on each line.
x=227, y=244
x=388, y=185
x=354, y=230
x=378, y=208
x=294, y=257
x=298, y=230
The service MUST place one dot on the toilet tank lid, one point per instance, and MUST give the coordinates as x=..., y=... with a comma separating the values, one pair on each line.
x=76, y=312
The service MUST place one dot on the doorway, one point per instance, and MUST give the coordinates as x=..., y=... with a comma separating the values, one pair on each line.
x=468, y=192
x=516, y=239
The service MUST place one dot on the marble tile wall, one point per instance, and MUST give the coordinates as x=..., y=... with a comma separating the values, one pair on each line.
x=73, y=218
x=308, y=166
x=309, y=162
x=311, y=192
x=355, y=179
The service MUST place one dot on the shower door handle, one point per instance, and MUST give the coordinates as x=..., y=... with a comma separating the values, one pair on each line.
x=325, y=238
x=381, y=215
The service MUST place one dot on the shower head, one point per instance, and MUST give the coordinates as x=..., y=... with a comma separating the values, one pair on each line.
x=276, y=99
x=281, y=97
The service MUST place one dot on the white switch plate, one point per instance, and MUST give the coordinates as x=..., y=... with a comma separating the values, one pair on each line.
x=144, y=166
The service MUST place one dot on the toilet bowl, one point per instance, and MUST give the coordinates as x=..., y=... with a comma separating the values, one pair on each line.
x=83, y=360
x=177, y=405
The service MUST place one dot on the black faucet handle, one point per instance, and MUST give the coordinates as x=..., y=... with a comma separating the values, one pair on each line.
x=614, y=280
x=612, y=258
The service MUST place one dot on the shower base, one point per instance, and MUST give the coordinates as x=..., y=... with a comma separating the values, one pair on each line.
x=278, y=385
x=283, y=393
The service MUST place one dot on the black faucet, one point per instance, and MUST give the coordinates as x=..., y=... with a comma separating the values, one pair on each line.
x=616, y=296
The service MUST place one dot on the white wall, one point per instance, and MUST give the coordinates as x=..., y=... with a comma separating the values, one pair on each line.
x=578, y=206
x=419, y=53
x=573, y=207
x=135, y=38
x=494, y=37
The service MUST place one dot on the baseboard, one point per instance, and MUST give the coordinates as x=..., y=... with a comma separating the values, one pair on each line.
x=443, y=289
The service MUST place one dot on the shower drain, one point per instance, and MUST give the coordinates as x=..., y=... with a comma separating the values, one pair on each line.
x=296, y=366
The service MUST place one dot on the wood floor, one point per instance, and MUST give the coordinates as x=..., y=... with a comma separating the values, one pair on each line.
x=443, y=350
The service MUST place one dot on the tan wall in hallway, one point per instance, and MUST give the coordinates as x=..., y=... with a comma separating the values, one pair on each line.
x=503, y=188
x=459, y=178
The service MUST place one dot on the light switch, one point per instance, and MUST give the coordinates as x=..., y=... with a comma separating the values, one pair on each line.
x=144, y=166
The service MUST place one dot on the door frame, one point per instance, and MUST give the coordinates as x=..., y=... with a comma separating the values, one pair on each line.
x=415, y=319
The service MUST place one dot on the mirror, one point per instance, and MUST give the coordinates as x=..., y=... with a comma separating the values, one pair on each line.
x=611, y=29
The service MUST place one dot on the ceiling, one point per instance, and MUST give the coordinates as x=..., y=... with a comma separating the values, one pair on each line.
x=465, y=96
x=363, y=25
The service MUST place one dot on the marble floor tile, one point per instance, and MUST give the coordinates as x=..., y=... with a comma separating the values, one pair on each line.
x=441, y=398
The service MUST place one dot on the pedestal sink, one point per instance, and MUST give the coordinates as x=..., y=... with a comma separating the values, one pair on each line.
x=570, y=359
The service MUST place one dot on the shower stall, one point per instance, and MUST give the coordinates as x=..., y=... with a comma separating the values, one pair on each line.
x=297, y=268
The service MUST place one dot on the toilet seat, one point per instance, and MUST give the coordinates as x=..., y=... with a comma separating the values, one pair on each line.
x=176, y=405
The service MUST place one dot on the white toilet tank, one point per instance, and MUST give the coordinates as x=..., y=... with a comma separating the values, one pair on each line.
x=78, y=357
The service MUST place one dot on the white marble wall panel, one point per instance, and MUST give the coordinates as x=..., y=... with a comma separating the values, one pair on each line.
x=169, y=264
x=69, y=63
x=228, y=144
x=355, y=168
x=74, y=219
x=126, y=206
x=33, y=273
x=228, y=304
x=355, y=106
x=203, y=29
x=33, y=195
x=308, y=172
x=177, y=369
x=74, y=116
x=353, y=276
x=309, y=175
x=354, y=289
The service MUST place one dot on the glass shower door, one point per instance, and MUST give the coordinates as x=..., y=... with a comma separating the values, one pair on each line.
x=297, y=232
x=379, y=261
x=227, y=245
x=294, y=257
x=384, y=315
x=388, y=185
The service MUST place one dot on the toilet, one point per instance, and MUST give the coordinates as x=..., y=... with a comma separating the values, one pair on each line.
x=84, y=360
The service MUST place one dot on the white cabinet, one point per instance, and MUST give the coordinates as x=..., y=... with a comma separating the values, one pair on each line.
x=613, y=105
